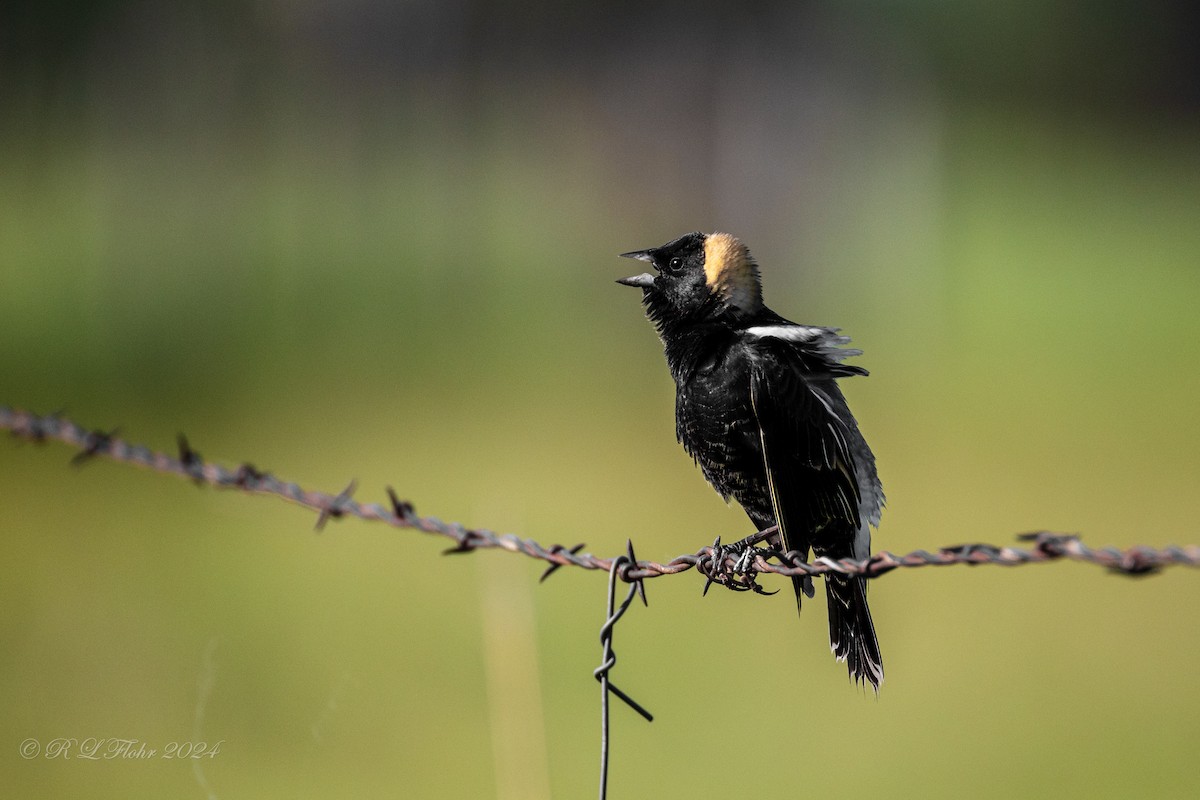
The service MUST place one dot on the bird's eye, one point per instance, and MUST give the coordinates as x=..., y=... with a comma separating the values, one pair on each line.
x=676, y=263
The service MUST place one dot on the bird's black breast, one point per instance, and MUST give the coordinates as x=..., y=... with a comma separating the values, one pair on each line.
x=714, y=422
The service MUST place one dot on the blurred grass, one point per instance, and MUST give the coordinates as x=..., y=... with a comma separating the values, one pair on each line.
x=437, y=313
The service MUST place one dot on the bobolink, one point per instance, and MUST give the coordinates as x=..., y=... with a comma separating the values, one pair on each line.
x=758, y=408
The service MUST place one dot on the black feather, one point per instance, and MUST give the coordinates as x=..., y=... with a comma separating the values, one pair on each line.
x=758, y=408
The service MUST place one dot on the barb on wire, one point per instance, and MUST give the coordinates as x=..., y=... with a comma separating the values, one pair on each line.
x=620, y=564
x=716, y=563
x=192, y=461
x=93, y=444
x=335, y=507
x=555, y=548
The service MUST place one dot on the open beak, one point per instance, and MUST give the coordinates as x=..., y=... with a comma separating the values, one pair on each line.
x=640, y=255
x=645, y=280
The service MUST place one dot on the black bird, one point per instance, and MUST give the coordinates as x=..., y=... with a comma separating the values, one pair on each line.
x=758, y=408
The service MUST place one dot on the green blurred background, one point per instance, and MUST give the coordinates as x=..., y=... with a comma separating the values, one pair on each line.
x=378, y=241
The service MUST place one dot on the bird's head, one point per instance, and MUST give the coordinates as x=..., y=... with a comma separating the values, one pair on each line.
x=699, y=276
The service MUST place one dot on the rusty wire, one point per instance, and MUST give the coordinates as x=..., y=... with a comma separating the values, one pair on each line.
x=721, y=564
x=735, y=567
x=613, y=615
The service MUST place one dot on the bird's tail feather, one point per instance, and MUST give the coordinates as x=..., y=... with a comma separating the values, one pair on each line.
x=803, y=584
x=851, y=632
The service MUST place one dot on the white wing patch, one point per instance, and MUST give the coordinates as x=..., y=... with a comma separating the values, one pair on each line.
x=791, y=333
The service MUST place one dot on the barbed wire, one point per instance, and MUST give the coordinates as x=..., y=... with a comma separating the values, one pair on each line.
x=735, y=566
x=732, y=566
x=613, y=616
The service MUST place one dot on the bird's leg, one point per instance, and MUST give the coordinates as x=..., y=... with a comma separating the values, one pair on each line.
x=771, y=533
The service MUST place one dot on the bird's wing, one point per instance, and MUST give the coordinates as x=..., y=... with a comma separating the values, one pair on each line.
x=807, y=446
x=869, y=485
x=820, y=473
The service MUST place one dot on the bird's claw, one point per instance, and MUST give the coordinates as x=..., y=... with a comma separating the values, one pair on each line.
x=733, y=566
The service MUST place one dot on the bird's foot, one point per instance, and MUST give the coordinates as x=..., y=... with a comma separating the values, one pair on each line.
x=733, y=566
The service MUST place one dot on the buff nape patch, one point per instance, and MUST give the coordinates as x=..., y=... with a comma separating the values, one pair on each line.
x=731, y=273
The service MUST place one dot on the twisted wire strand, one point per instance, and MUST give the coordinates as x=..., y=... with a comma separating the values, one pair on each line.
x=715, y=561
x=609, y=656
